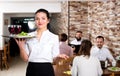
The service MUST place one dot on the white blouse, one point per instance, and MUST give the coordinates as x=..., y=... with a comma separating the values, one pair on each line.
x=83, y=66
x=43, y=50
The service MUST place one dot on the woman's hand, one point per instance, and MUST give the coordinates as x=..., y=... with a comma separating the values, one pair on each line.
x=64, y=56
x=20, y=42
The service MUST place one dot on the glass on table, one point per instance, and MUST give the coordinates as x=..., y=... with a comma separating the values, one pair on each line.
x=114, y=63
x=73, y=47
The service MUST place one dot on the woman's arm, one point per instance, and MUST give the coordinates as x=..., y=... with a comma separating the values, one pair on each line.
x=56, y=51
x=21, y=44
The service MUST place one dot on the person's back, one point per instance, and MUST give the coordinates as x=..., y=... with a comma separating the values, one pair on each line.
x=86, y=66
x=64, y=47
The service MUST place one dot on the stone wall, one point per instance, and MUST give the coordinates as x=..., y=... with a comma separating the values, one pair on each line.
x=78, y=18
x=59, y=21
x=104, y=19
x=96, y=18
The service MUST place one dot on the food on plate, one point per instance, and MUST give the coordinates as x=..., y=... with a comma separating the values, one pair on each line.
x=23, y=34
x=67, y=72
x=114, y=68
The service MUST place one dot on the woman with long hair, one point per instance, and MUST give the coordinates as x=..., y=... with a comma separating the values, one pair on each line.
x=85, y=64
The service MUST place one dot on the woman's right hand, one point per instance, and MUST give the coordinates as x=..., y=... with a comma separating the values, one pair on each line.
x=20, y=42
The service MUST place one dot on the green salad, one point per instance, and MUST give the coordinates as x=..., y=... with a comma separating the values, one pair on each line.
x=23, y=34
x=115, y=68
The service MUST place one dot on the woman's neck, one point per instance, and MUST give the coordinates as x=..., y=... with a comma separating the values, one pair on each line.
x=39, y=32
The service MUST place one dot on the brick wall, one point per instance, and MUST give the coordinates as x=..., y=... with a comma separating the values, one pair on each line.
x=93, y=18
x=78, y=18
x=96, y=18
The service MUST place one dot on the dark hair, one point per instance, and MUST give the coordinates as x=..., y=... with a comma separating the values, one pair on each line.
x=85, y=47
x=44, y=11
x=79, y=32
x=100, y=37
x=63, y=37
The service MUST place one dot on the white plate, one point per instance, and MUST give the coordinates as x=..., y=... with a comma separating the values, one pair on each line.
x=28, y=36
x=114, y=69
x=18, y=36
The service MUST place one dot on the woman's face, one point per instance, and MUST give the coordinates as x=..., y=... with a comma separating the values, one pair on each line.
x=41, y=20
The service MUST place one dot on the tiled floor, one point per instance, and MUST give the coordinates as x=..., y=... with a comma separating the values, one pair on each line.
x=17, y=68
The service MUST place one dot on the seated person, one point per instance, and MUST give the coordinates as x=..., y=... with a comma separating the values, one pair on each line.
x=64, y=47
x=85, y=64
x=77, y=41
x=101, y=52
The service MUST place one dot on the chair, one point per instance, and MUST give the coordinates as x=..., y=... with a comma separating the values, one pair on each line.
x=112, y=74
x=65, y=62
x=5, y=56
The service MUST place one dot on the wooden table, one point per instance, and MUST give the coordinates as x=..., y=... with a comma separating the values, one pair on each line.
x=106, y=72
x=59, y=69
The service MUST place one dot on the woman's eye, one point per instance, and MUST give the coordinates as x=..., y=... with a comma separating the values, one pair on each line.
x=36, y=18
x=43, y=18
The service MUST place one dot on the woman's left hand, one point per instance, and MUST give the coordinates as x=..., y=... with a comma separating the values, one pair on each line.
x=64, y=56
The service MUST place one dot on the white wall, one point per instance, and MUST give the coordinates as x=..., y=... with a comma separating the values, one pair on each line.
x=20, y=6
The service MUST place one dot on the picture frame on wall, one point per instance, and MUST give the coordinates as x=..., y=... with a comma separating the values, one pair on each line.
x=6, y=22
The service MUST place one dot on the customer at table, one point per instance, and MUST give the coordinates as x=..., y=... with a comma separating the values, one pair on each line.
x=85, y=64
x=77, y=41
x=64, y=47
x=101, y=52
x=41, y=50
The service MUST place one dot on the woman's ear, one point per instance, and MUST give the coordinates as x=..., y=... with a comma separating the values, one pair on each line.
x=48, y=20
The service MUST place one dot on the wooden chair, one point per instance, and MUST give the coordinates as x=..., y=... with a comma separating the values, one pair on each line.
x=65, y=62
x=112, y=74
x=5, y=56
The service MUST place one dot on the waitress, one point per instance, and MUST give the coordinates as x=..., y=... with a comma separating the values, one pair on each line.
x=40, y=51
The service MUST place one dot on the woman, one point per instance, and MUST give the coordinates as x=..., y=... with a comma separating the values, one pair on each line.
x=41, y=50
x=85, y=64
